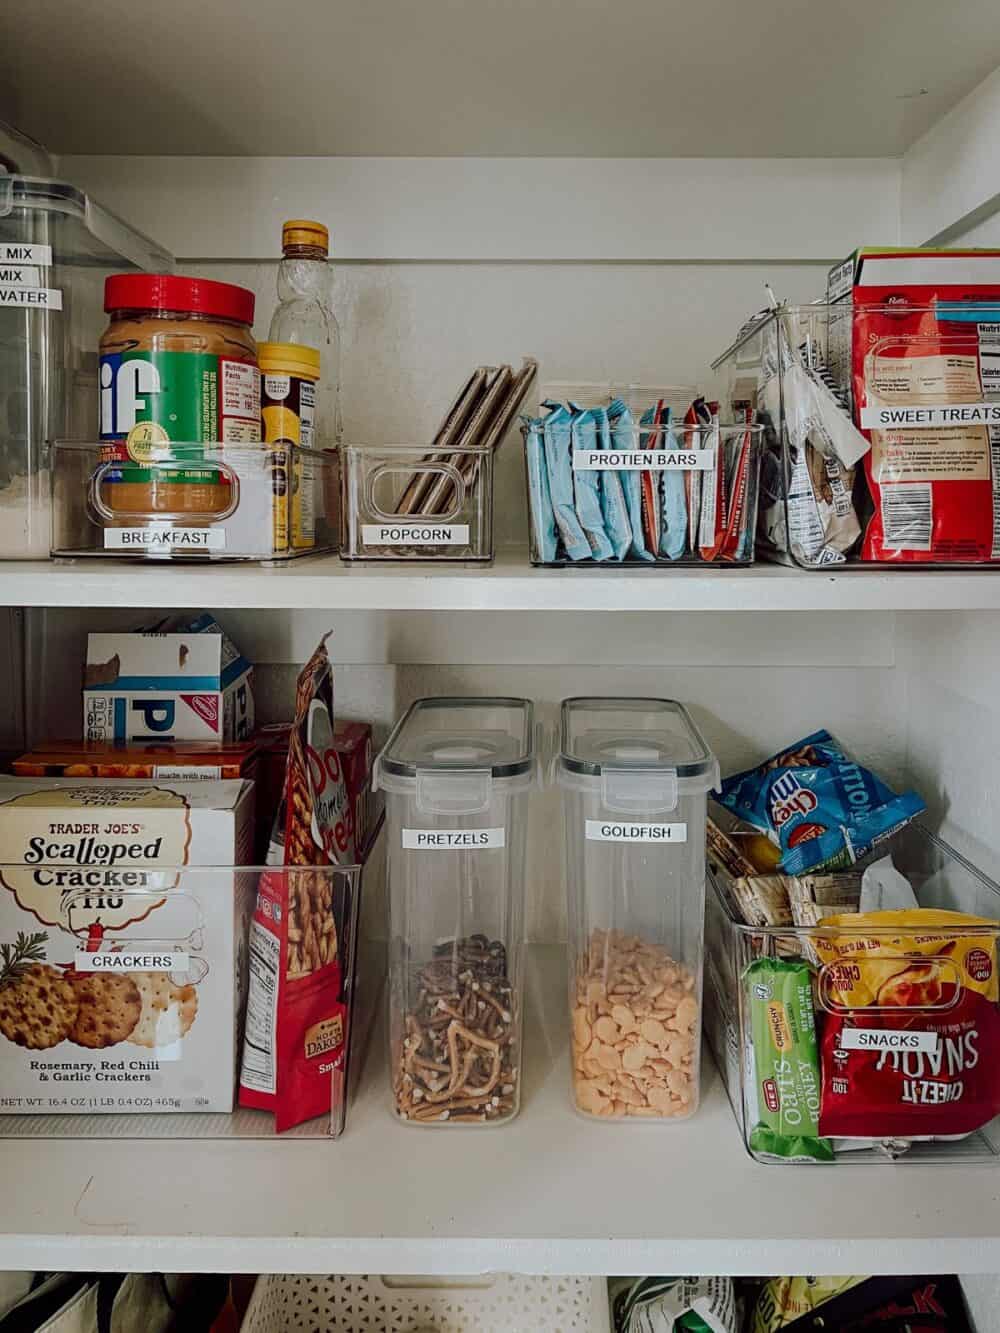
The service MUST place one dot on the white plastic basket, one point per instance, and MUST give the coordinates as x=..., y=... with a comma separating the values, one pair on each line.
x=500, y=1303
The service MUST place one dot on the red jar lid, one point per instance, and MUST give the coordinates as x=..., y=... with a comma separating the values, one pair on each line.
x=162, y=291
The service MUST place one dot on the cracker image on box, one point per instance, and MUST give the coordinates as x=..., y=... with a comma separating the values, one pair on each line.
x=120, y=921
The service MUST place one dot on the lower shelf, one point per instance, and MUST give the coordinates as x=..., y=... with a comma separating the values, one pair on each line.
x=550, y=1193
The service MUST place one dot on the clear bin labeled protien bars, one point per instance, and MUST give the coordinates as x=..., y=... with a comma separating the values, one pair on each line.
x=612, y=489
x=456, y=773
x=864, y=1043
x=635, y=774
x=403, y=503
x=194, y=501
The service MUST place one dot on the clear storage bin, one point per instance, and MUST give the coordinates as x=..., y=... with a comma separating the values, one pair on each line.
x=635, y=775
x=456, y=773
x=153, y=1048
x=194, y=501
x=56, y=248
x=403, y=503
x=902, y=473
x=899, y=980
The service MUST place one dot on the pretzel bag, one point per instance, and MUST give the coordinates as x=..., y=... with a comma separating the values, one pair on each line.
x=911, y=1042
x=305, y=925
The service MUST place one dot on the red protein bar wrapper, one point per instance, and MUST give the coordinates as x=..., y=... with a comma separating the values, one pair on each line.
x=926, y=375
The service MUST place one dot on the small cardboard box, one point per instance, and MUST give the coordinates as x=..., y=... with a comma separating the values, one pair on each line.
x=122, y=982
x=169, y=761
x=181, y=682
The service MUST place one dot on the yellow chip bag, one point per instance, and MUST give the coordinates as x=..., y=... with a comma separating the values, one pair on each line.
x=782, y=1300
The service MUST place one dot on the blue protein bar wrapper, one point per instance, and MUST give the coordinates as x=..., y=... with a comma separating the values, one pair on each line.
x=613, y=507
x=540, y=500
x=673, y=502
x=824, y=810
x=586, y=488
x=623, y=439
x=557, y=438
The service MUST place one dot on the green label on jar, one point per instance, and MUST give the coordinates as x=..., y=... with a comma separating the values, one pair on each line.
x=179, y=396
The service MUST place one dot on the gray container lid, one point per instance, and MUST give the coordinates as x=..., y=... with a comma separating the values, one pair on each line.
x=455, y=736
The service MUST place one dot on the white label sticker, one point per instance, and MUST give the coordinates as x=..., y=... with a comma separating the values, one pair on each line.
x=923, y=418
x=605, y=830
x=439, y=840
x=163, y=537
x=132, y=960
x=277, y=386
x=17, y=253
x=20, y=275
x=415, y=534
x=643, y=460
x=32, y=298
x=187, y=772
x=889, y=1039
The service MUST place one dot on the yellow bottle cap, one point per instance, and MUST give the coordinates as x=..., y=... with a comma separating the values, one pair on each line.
x=297, y=231
x=288, y=359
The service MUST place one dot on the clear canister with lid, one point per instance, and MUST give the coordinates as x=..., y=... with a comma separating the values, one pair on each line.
x=457, y=773
x=635, y=776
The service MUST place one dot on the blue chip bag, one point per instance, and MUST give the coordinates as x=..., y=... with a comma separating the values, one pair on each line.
x=673, y=500
x=543, y=523
x=557, y=438
x=824, y=810
x=624, y=441
x=613, y=507
x=586, y=488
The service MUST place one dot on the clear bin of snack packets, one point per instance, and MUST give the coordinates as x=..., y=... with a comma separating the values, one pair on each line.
x=879, y=422
x=869, y=1036
x=217, y=501
x=403, y=503
x=57, y=245
x=456, y=773
x=635, y=774
x=125, y=962
x=640, y=479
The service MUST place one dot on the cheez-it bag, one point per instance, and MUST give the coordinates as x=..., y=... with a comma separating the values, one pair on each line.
x=926, y=380
x=304, y=925
x=910, y=1044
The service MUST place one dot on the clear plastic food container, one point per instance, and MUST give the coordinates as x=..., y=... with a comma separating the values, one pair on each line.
x=403, y=503
x=194, y=501
x=56, y=248
x=456, y=773
x=863, y=1044
x=635, y=774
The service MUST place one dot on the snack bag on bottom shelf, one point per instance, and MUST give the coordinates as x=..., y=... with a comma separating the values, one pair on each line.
x=911, y=1039
x=891, y=1305
x=823, y=809
x=304, y=927
x=783, y=1300
x=673, y=1305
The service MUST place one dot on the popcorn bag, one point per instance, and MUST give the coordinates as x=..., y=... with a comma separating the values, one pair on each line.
x=303, y=926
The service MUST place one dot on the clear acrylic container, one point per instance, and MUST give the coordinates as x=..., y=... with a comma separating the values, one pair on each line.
x=403, y=503
x=925, y=967
x=56, y=248
x=635, y=774
x=264, y=502
x=456, y=773
x=791, y=368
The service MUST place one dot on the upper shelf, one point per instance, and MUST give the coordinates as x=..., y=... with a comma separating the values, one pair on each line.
x=322, y=583
x=550, y=1193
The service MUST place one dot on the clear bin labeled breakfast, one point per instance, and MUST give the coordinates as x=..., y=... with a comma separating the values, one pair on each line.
x=852, y=969
x=457, y=773
x=637, y=478
x=634, y=775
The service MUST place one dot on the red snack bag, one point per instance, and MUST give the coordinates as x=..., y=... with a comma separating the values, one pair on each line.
x=924, y=375
x=910, y=1046
x=304, y=926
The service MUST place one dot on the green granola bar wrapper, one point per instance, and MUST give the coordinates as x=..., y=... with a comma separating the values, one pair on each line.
x=786, y=1081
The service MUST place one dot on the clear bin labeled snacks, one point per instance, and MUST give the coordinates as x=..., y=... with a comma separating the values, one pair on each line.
x=635, y=774
x=57, y=246
x=871, y=1034
x=612, y=485
x=214, y=501
x=456, y=773
x=402, y=503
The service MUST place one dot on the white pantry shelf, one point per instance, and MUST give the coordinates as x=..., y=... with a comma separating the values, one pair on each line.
x=510, y=584
x=550, y=1193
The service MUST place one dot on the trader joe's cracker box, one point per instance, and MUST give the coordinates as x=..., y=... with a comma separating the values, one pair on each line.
x=121, y=976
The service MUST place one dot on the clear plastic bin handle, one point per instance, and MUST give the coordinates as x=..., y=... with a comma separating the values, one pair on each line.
x=409, y=473
x=628, y=790
x=107, y=515
x=898, y=984
x=462, y=793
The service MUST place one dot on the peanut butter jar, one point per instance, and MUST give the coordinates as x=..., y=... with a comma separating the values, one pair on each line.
x=178, y=364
